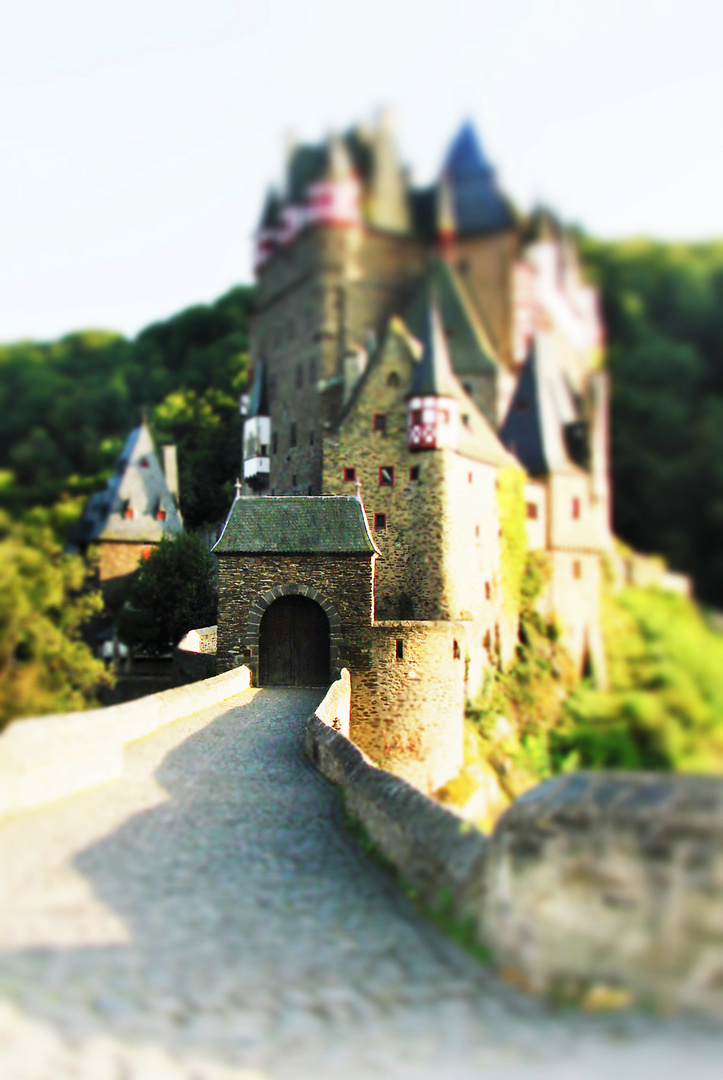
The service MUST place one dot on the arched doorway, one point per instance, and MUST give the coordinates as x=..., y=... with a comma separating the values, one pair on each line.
x=294, y=643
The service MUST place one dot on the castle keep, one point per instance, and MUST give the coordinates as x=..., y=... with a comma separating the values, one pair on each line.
x=423, y=360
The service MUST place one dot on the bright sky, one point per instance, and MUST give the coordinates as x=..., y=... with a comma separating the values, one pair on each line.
x=137, y=138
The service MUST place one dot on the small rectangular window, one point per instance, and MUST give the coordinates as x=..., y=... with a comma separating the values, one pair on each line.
x=532, y=511
x=414, y=473
x=311, y=438
x=380, y=423
x=380, y=522
x=470, y=478
x=476, y=531
x=293, y=480
x=576, y=508
x=577, y=569
x=292, y=435
x=350, y=474
x=386, y=476
x=309, y=490
x=416, y=417
x=274, y=443
x=488, y=591
x=400, y=649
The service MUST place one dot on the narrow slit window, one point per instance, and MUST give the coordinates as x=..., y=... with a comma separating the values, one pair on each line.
x=400, y=649
x=576, y=508
x=456, y=651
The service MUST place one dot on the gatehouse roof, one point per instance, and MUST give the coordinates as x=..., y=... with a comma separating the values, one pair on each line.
x=296, y=524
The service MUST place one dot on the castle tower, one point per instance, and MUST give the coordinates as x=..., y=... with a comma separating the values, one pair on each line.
x=433, y=410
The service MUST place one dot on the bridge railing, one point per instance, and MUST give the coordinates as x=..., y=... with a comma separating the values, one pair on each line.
x=601, y=887
x=48, y=757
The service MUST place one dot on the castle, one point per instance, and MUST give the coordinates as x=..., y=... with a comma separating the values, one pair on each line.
x=435, y=358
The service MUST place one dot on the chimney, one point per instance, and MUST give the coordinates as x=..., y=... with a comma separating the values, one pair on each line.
x=170, y=469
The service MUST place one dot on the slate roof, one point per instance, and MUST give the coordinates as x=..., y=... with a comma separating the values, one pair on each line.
x=138, y=483
x=296, y=524
x=433, y=372
x=271, y=211
x=479, y=206
x=540, y=410
x=469, y=345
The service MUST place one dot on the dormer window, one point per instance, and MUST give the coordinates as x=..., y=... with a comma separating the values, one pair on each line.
x=144, y=463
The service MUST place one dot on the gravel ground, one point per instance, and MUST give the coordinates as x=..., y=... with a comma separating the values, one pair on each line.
x=207, y=918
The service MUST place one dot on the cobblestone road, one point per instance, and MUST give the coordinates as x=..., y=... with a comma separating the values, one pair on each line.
x=208, y=918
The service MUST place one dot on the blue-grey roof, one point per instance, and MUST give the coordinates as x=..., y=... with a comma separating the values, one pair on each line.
x=479, y=206
x=138, y=484
x=296, y=524
x=540, y=410
x=433, y=374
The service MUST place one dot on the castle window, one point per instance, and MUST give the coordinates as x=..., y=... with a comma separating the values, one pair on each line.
x=145, y=553
x=380, y=521
x=488, y=591
x=292, y=435
x=309, y=490
x=577, y=569
x=263, y=450
x=456, y=651
x=467, y=388
x=476, y=531
x=350, y=474
x=127, y=510
x=293, y=480
x=380, y=423
x=470, y=478
x=160, y=514
x=386, y=476
x=274, y=443
x=299, y=376
x=144, y=463
x=400, y=649
x=466, y=420
x=392, y=379
x=414, y=473
x=487, y=641
x=532, y=511
x=416, y=417
x=576, y=508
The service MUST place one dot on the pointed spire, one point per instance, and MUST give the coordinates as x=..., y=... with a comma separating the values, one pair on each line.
x=533, y=429
x=433, y=375
x=338, y=162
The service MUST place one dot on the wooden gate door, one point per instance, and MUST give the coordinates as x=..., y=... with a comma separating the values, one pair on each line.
x=294, y=644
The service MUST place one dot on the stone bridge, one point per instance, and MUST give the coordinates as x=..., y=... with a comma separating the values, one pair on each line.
x=208, y=916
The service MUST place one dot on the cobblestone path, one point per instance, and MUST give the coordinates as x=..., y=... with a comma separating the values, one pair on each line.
x=207, y=917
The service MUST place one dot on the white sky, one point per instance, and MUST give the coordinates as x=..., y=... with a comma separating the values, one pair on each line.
x=137, y=137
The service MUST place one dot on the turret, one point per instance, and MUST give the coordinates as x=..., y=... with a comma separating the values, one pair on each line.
x=257, y=433
x=266, y=238
x=433, y=409
x=335, y=198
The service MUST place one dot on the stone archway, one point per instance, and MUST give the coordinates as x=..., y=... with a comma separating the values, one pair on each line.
x=337, y=650
x=294, y=643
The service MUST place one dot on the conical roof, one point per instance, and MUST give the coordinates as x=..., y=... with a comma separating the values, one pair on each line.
x=470, y=349
x=541, y=407
x=479, y=206
x=259, y=398
x=433, y=374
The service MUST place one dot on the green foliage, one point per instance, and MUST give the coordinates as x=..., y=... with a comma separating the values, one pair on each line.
x=174, y=591
x=520, y=706
x=45, y=666
x=513, y=539
x=664, y=707
x=68, y=405
x=663, y=310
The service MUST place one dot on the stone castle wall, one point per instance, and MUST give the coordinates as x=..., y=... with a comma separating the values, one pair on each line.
x=117, y=560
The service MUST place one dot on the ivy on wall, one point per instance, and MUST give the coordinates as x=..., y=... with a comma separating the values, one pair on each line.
x=513, y=537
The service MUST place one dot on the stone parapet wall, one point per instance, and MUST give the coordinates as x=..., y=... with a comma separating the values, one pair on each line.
x=589, y=881
x=49, y=757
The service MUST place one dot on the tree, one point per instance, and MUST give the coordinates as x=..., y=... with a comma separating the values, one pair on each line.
x=174, y=591
x=45, y=666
